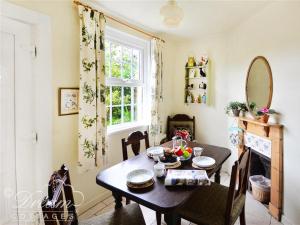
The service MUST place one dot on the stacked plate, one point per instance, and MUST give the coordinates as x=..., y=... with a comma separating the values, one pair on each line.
x=204, y=162
x=140, y=178
x=155, y=152
x=172, y=165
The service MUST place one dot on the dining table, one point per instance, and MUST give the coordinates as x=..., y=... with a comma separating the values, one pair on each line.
x=160, y=198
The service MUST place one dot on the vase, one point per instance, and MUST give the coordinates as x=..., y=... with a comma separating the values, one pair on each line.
x=264, y=118
x=236, y=112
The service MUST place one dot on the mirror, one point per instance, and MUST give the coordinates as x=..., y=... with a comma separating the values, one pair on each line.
x=259, y=84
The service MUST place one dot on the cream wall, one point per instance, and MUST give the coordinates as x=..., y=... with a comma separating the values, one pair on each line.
x=273, y=32
x=65, y=36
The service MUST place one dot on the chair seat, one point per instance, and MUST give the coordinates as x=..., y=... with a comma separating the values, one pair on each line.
x=128, y=215
x=207, y=206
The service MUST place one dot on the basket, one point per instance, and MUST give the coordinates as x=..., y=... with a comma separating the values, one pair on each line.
x=260, y=188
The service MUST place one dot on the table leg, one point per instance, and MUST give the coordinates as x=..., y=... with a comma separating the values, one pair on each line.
x=218, y=176
x=118, y=200
x=172, y=219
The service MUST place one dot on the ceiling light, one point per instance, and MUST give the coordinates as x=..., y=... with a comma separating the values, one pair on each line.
x=172, y=14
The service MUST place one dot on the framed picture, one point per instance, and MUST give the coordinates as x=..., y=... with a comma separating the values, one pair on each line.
x=68, y=99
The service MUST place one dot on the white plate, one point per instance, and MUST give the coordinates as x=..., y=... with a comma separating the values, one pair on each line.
x=204, y=161
x=139, y=176
x=156, y=150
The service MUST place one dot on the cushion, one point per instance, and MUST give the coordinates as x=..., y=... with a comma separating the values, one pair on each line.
x=128, y=215
x=207, y=206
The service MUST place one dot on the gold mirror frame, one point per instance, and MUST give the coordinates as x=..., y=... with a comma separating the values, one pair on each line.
x=270, y=79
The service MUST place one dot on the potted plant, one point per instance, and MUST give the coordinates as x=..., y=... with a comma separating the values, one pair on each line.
x=252, y=106
x=244, y=108
x=234, y=107
x=264, y=114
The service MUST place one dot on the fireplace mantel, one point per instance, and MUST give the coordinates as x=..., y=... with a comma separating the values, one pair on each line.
x=274, y=133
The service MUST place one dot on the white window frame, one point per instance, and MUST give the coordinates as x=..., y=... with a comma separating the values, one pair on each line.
x=143, y=45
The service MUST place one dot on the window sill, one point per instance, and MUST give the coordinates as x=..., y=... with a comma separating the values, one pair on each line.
x=114, y=129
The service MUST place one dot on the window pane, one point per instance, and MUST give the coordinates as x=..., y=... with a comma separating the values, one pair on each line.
x=116, y=95
x=107, y=58
x=107, y=96
x=126, y=63
x=135, y=114
x=116, y=115
x=137, y=95
x=115, y=69
x=115, y=60
x=127, y=95
x=127, y=114
x=135, y=64
x=126, y=70
x=108, y=116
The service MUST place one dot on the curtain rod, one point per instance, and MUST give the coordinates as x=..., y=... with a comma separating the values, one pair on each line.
x=119, y=21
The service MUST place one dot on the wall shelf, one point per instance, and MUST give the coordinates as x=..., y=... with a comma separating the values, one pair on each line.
x=197, y=84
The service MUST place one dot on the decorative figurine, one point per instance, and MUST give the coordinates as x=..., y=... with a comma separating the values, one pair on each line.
x=199, y=99
x=204, y=98
x=191, y=61
x=192, y=72
x=189, y=98
x=202, y=85
x=202, y=72
x=203, y=61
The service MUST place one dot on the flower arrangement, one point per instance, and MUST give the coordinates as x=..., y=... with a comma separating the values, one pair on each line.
x=264, y=114
x=265, y=110
x=184, y=134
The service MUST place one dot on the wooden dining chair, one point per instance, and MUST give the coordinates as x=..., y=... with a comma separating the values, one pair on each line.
x=59, y=207
x=217, y=204
x=134, y=139
x=179, y=122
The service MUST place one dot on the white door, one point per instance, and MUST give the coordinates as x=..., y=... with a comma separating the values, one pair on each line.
x=17, y=136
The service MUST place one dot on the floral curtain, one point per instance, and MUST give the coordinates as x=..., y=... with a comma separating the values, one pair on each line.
x=156, y=90
x=92, y=115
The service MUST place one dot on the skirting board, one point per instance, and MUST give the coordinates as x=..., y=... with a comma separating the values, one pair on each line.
x=86, y=206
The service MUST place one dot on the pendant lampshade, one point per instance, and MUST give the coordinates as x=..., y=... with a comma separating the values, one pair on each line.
x=172, y=14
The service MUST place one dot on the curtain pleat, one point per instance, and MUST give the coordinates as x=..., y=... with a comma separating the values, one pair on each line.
x=156, y=90
x=92, y=113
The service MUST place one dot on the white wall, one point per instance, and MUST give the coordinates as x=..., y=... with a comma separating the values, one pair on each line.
x=273, y=32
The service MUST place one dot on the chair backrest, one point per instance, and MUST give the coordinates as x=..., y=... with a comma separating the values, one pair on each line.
x=134, y=139
x=59, y=206
x=238, y=182
x=180, y=121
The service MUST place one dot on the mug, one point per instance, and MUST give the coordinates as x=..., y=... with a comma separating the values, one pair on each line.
x=159, y=169
x=198, y=151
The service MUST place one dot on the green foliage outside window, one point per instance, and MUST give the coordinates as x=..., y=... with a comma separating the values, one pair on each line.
x=121, y=62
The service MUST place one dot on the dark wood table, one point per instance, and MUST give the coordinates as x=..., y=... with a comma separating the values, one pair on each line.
x=159, y=197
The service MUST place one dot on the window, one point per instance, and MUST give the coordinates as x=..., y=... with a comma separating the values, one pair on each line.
x=126, y=60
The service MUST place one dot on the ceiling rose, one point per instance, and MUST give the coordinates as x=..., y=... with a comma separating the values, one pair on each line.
x=172, y=14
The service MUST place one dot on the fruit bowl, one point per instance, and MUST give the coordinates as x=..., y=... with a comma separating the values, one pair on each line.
x=184, y=153
x=182, y=159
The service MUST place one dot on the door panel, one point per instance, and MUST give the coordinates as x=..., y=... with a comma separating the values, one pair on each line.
x=17, y=113
x=8, y=182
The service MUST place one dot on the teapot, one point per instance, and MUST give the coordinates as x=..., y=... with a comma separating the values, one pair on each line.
x=178, y=142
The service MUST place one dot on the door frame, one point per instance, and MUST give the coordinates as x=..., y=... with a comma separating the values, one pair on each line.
x=43, y=83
